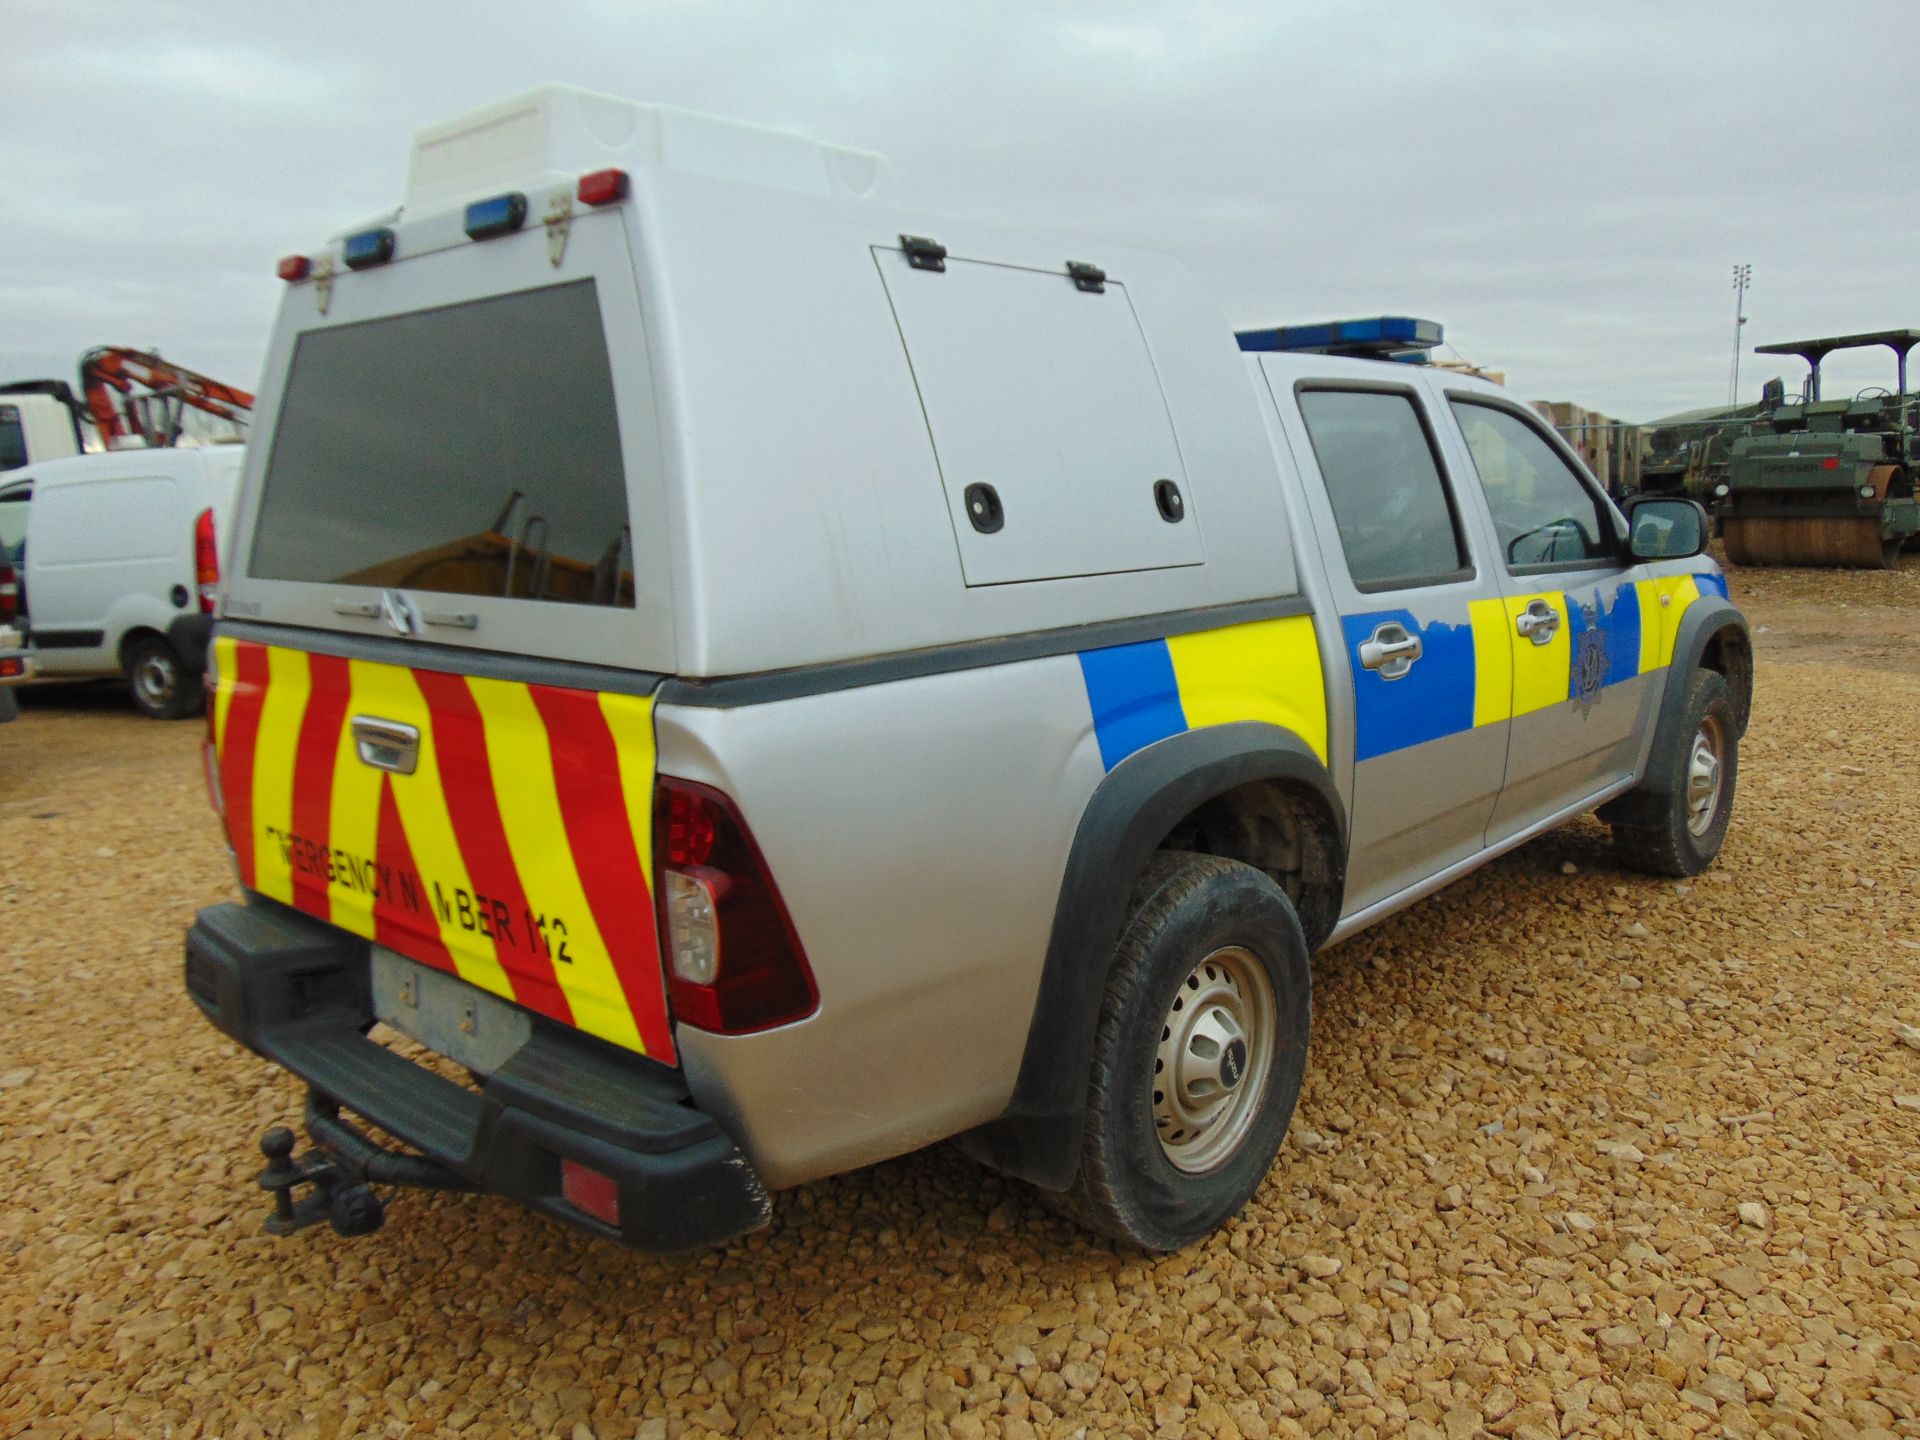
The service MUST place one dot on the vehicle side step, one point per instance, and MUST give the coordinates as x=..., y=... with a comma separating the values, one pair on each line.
x=408, y=1101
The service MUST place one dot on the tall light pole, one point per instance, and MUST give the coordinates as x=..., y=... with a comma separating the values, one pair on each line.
x=1742, y=274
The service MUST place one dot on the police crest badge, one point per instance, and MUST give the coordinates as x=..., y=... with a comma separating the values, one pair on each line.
x=1589, y=659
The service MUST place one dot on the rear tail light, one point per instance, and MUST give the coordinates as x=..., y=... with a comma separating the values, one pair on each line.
x=9, y=593
x=206, y=561
x=590, y=1192
x=734, y=963
x=12, y=667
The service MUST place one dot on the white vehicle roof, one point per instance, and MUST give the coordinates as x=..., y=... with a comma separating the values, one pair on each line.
x=563, y=131
x=146, y=460
x=1294, y=365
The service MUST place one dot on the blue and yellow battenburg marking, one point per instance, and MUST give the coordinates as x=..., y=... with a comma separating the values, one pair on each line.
x=1483, y=672
x=1265, y=670
x=1468, y=676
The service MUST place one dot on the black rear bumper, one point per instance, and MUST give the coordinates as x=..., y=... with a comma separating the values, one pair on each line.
x=190, y=635
x=298, y=992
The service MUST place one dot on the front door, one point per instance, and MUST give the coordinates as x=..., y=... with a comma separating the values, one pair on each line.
x=1572, y=617
x=1420, y=615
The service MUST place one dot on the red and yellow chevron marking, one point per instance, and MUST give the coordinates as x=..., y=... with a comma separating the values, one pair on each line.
x=518, y=855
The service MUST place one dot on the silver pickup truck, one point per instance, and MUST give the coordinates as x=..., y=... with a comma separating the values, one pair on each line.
x=756, y=681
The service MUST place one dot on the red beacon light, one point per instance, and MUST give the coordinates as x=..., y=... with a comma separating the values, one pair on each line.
x=602, y=187
x=295, y=267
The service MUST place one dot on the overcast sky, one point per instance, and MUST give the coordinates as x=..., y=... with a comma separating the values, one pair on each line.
x=1566, y=188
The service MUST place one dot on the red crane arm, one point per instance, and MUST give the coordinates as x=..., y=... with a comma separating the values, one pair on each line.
x=115, y=370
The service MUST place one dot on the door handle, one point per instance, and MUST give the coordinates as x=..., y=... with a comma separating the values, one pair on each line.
x=386, y=744
x=1538, y=622
x=1391, y=650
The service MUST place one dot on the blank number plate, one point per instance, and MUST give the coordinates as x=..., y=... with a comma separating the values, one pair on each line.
x=445, y=1014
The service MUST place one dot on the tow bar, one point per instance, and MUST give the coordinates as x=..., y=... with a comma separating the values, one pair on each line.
x=342, y=1167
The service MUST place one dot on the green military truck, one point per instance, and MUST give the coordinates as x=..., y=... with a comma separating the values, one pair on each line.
x=1690, y=453
x=1827, y=482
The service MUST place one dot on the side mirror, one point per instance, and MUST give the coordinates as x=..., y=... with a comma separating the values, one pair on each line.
x=1666, y=527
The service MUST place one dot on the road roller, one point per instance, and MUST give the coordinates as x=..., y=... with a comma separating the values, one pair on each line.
x=1827, y=482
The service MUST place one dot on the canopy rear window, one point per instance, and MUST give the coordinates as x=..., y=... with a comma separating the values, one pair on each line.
x=466, y=450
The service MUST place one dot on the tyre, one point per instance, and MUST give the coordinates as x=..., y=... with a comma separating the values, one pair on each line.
x=1682, y=821
x=1198, y=1055
x=161, y=686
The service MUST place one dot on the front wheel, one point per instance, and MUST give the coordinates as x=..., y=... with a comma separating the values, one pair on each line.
x=1691, y=789
x=1198, y=1056
x=161, y=686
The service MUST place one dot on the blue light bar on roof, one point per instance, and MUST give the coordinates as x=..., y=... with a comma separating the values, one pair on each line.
x=368, y=248
x=502, y=215
x=1384, y=337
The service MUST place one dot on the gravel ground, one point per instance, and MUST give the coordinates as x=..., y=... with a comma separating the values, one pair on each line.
x=1579, y=1153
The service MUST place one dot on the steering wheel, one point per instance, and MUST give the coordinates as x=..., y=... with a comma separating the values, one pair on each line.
x=1558, y=527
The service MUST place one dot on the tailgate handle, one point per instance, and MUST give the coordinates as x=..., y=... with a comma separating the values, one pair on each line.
x=386, y=744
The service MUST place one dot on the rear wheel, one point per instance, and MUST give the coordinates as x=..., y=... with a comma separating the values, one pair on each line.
x=161, y=686
x=1199, y=1054
x=1690, y=789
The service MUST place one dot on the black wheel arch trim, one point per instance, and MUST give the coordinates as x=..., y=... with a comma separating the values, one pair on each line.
x=1707, y=619
x=190, y=635
x=1037, y=1137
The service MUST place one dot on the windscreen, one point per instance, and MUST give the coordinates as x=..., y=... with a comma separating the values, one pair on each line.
x=467, y=450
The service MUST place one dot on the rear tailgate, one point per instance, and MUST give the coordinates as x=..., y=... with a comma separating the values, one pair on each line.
x=515, y=853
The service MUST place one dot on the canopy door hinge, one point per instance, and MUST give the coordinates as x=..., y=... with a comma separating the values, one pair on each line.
x=1090, y=278
x=924, y=254
x=558, y=220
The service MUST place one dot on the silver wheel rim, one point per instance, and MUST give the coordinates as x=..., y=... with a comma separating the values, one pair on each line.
x=1215, y=1055
x=153, y=680
x=1705, y=772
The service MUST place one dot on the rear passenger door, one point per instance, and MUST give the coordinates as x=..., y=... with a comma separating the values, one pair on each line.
x=1572, y=617
x=1414, y=593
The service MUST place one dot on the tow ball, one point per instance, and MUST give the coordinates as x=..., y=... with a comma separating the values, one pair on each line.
x=342, y=1167
x=348, y=1205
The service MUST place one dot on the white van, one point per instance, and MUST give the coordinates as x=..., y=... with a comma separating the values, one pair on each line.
x=37, y=422
x=119, y=561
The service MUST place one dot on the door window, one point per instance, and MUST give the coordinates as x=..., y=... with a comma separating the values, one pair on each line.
x=13, y=438
x=1396, y=519
x=1546, y=516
